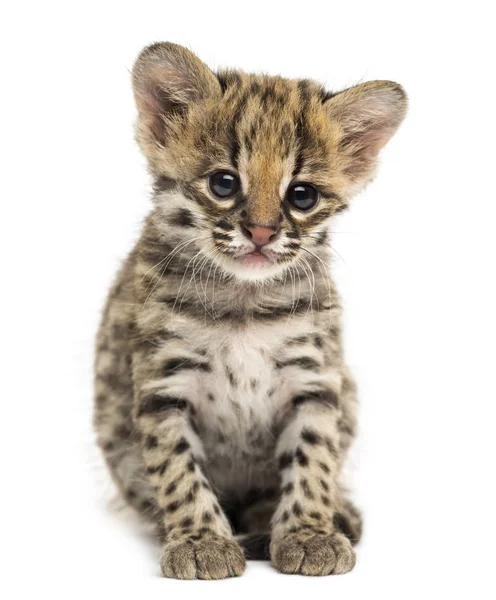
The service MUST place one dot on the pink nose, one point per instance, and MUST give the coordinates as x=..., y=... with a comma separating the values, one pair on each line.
x=259, y=234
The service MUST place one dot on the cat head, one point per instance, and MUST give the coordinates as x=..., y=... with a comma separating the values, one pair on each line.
x=251, y=168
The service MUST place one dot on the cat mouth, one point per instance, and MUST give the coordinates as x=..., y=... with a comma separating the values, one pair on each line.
x=254, y=259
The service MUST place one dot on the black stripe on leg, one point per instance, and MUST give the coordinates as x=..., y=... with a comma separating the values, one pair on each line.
x=178, y=364
x=158, y=404
x=310, y=436
x=285, y=460
x=323, y=396
x=305, y=362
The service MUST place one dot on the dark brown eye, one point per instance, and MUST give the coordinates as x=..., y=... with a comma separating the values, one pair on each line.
x=302, y=196
x=223, y=184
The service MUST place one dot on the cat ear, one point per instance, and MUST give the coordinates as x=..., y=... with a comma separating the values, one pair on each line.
x=167, y=79
x=369, y=115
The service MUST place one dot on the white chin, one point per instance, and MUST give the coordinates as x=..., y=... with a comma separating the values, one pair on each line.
x=252, y=271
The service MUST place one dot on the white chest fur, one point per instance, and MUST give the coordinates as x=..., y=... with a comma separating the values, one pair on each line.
x=239, y=400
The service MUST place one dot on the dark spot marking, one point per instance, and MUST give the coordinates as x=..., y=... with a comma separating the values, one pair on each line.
x=315, y=515
x=223, y=224
x=160, y=469
x=171, y=488
x=164, y=184
x=288, y=488
x=181, y=446
x=321, y=238
x=297, y=511
x=292, y=246
x=151, y=441
x=325, y=500
x=306, y=489
x=301, y=457
x=310, y=437
x=231, y=377
x=204, y=529
x=182, y=218
x=304, y=362
x=156, y=404
x=163, y=467
x=222, y=236
x=324, y=467
x=285, y=460
x=147, y=505
x=176, y=365
x=122, y=431
x=172, y=506
x=207, y=517
x=324, y=485
x=285, y=516
x=324, y=396
x=187, y=522
x=331, y=447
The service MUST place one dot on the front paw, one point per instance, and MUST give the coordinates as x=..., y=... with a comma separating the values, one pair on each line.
x=211, y=557
x=313, y=554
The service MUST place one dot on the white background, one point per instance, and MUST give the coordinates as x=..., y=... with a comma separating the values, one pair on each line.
x=416, y=269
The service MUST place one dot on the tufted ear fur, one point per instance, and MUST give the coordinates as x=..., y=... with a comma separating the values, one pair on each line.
x=369, y=115
x=167, y=79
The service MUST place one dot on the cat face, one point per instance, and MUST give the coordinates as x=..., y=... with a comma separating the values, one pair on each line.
x=254, y=167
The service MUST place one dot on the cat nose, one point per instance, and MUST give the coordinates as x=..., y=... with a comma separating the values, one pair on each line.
x=260, y=235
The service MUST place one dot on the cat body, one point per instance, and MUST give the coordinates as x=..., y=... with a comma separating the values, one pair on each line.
x=223, y=404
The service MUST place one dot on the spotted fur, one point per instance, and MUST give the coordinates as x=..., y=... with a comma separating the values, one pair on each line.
x=223, y=407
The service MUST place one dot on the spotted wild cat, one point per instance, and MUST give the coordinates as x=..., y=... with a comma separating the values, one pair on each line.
x=223, y=404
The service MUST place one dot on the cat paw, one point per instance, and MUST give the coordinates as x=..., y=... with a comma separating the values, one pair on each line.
x=212, y=557
x=313, y=555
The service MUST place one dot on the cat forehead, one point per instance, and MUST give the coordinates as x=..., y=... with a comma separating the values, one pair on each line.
x=271, y=105
x=271, y=120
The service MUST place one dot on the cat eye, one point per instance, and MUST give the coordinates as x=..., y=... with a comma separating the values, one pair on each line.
x=223, y=184
x=302, y=196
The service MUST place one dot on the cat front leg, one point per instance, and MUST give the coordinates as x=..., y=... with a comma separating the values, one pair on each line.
x=305, y=535
x=198, y=542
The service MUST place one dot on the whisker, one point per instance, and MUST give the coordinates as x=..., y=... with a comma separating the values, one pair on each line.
x=323, y=265
x=182, y=283
x=181, y=247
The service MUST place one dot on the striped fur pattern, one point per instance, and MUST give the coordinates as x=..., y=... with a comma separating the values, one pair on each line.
x=223, y=407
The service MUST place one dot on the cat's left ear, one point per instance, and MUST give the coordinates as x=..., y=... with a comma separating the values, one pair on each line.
x=369, y=115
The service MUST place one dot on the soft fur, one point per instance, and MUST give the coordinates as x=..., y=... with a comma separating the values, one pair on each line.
x=223, y=405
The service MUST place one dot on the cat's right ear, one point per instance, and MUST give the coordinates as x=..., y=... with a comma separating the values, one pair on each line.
x=167, y=79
